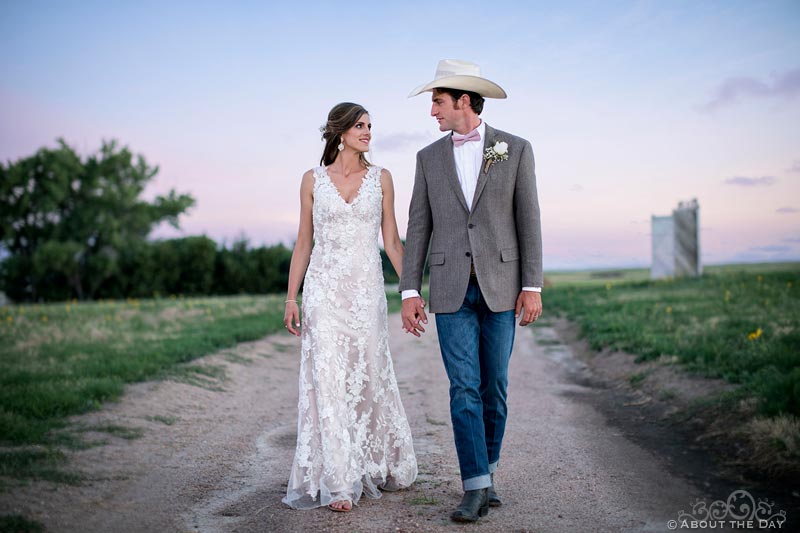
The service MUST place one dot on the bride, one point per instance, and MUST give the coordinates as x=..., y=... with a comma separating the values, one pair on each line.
x=352, y=433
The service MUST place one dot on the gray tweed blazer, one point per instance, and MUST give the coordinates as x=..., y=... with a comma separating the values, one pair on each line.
x=500, y=233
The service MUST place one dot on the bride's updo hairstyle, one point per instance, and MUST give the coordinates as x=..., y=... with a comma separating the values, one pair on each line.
x=341, y=118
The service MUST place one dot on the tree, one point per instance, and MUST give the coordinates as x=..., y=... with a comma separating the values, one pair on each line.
x=66, y=220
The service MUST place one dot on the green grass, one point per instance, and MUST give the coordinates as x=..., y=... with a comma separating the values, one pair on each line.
x=560, y=278
x=167, y=420
x=595, y=277
x=737, y=322
x=636, y=379
x=423, y=500
x=19, y=524
x=44, y=464
x=59, y=360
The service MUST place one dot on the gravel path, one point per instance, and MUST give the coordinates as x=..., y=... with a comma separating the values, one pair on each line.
x=218, y=460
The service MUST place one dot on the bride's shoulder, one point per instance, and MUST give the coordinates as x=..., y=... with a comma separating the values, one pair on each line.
x=383, y=173
x=384, y=179
x=312, y=173
x=309, y=178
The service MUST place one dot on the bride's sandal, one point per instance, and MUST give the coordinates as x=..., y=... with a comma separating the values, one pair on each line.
x=341, y=506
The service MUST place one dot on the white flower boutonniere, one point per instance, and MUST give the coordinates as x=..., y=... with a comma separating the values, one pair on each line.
x=498, y=152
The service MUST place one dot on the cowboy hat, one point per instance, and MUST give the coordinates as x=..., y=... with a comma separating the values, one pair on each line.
x=463, y=75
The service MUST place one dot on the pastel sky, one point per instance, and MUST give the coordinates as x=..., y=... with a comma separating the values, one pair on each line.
x=631, y=107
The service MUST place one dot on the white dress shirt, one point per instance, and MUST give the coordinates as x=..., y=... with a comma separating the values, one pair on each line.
x=469, y=158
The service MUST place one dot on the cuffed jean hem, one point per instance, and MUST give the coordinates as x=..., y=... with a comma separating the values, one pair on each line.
x=493, y=467
x=480, y=482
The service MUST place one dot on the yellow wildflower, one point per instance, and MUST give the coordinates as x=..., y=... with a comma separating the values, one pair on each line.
x=760, y=278
x=44, y=318
x=9, y=319
x=67, y=307
x=669, y=310
x=608, y=286
x=754, y=335
x=727, y=296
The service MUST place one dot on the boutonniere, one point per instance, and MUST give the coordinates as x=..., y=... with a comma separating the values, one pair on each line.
x=498, y=152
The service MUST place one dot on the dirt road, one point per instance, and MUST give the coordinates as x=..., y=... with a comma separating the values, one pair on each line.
x=217, y=460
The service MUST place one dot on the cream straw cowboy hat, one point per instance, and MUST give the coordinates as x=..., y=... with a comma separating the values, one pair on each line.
x=455, y=74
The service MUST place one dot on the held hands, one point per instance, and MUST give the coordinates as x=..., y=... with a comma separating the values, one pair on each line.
x=291, y=318
x=413, y=313
x=532, y=303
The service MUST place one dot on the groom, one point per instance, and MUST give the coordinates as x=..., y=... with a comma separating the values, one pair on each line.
x=475, y=205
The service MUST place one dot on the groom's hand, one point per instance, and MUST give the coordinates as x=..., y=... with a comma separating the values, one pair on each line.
x=413, y=313
x=531, y=303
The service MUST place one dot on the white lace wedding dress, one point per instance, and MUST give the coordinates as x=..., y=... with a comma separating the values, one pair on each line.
x=352, y=433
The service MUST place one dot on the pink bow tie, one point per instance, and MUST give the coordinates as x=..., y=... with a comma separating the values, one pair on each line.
x=458, y=140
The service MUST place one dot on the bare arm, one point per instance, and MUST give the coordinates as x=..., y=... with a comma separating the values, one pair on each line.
x=391, y=237
x=301, y=253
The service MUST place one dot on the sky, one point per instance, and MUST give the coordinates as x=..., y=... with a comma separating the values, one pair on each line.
x=631, y=107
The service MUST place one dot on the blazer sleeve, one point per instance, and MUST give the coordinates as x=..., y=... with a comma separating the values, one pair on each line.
x=420, y=224
x=528, y=220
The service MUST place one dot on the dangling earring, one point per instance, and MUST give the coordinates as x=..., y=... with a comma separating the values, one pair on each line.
x=341, y=146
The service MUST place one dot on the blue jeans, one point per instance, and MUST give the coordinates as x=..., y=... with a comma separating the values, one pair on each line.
x=476, y=347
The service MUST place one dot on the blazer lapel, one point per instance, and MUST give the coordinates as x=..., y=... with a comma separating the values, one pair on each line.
x=449, y=168
x=483, y=177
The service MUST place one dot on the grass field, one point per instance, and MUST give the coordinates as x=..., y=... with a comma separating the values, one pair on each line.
x=737, y=322
x=561, y=278
x=64, y=359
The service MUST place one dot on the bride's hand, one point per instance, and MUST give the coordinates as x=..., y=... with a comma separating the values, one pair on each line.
x=291, y=318
x=413, y=312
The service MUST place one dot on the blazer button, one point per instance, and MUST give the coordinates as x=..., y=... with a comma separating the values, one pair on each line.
x=468, y=254
x=470, y=226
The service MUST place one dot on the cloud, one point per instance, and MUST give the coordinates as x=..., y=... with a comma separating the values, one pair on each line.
x=795, y=168
x=787, y=210
x=398, y=141
x=732, y=90
x=751, y=182
x=791, y=239
x=576, y=187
